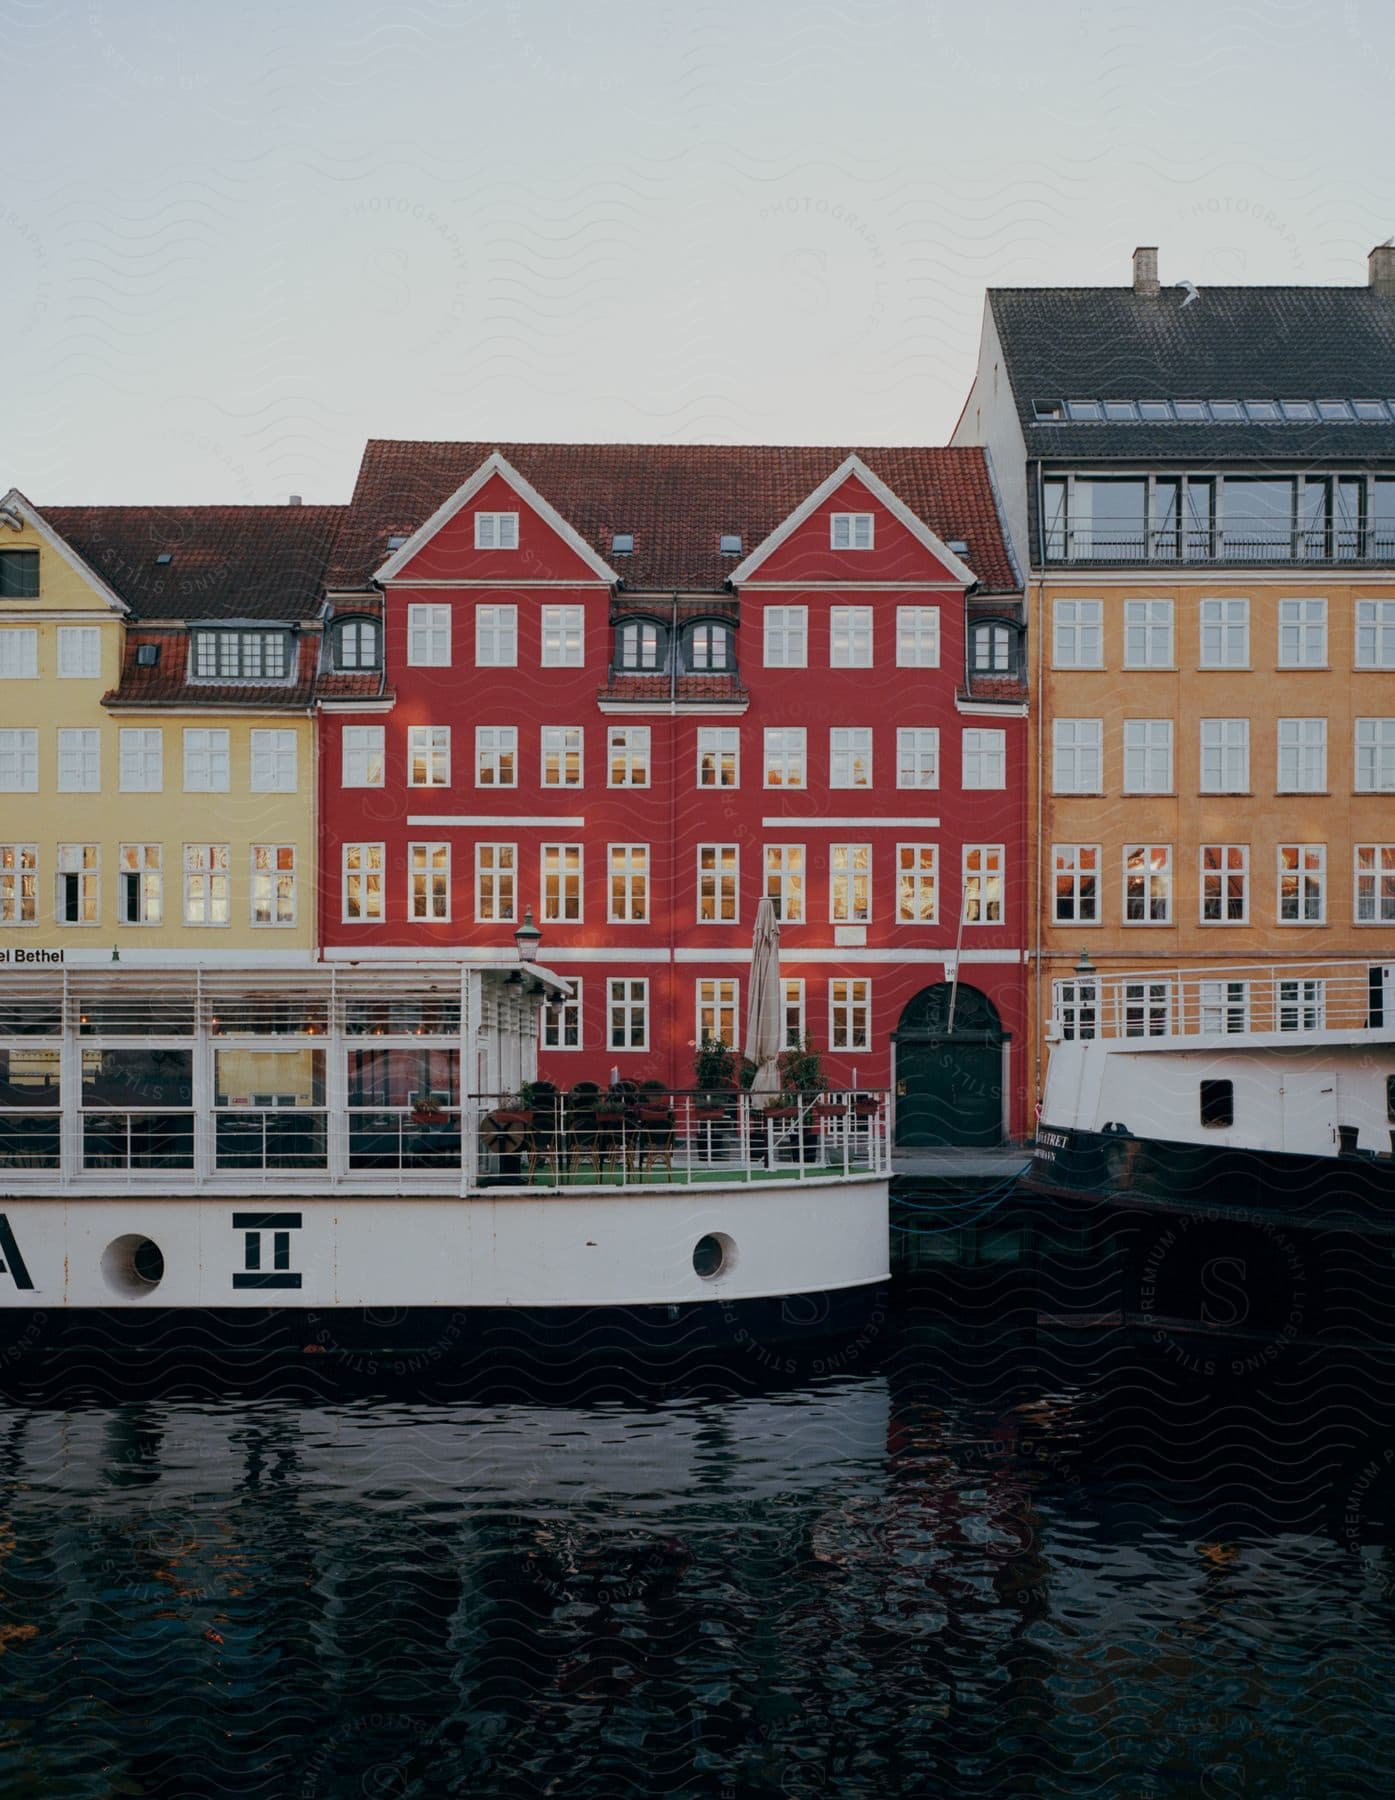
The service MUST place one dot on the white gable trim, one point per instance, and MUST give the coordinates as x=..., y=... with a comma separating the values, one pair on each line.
x=494, y=464
x=15, y=504
x=854, y=465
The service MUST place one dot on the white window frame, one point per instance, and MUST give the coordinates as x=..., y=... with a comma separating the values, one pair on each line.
x=79, y=652
x=85, y=862
x=210, y=882
x=1077, y=631
x=850, y=637
x=1146, y=1008
x=917, y=637
x=718, y=751
x=561, y=1015
x=627, y=869
x=627, y=1004
x=496, y=869
x=1148, y=756
x=717, y=1001
x=19, y=653
x=1149, y=634
x=1374, y=875
x=1077, y=864
x=429, y=881
x=362, y=753
x=1235, y=861
x=270, y=880
x=918, y=756
x=493, y=743
x=719, y=869
x=372, y=859
x=1077, y=750
x=496, y=531
x=847, y=996
x=1224, y=766
x=1224, y=1007
x=849, y=746
x=1310, y=871
x=852, y=531
x=428, y=756
x=1151, y=874
x=1302, y=634
x=793, y=1002
x=19, y=760
x=845, y=878
x=563, y=637
x=983, y=756
x=207, y=757
x=496, y=637
x=1224, y=621
x=993, y=868
x=274, y=762
x=785, y=637
x=1300, y=1003
x=917, y=868
x=785, y=759
x=1373, y=645
x=1373, y=760
x=1301, y=756
x=79, y=760
x=627, y=748
x=140, y=759
x=786, y=881
x=428, y=635
x=19, y=897
x=569, y=873
x=557, y=745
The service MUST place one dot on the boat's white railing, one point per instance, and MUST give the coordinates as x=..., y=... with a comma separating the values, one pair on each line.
x=1295, y=997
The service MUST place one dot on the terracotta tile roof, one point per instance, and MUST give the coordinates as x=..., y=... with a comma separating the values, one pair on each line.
x=677, y=500
x=995, y=687
x=723, y=689
x=228, y=562
x=166, y=682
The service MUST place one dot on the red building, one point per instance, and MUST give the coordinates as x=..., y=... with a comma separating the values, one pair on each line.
x=634, y=687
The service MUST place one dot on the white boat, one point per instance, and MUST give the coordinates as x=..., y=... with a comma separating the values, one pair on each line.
x=357, y=1159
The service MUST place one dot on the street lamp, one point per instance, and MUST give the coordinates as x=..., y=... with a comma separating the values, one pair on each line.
x=527, y=937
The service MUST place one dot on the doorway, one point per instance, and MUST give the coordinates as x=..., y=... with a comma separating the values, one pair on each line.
x=949, y=1082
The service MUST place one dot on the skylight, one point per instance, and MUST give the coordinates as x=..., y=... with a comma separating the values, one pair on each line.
x=1214, y=412
x=163, y=558
x=622, y=543
x=730, y=543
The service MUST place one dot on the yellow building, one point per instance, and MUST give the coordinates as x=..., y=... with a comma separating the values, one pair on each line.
x=158, y=671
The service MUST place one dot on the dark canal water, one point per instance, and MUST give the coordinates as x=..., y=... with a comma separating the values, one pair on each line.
x=959, y=1569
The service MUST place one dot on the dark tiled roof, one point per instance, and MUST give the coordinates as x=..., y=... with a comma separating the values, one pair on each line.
x=677, y=500
x=229, y=562
x=166, y=682
x=1246, y=343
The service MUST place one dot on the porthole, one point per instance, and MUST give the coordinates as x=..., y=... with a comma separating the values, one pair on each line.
x=713, y=1255
x=133, y=1266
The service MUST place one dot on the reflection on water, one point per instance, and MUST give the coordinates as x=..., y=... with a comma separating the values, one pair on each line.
x=920, y=1581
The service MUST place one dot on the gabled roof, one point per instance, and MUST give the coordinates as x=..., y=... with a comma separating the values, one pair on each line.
x=1246, y=343
x=231, y=562
x=51, y=533
x=677, y=500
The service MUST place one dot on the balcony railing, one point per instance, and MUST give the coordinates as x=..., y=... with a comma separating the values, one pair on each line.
x=1290, y=1000
x=1253, y=546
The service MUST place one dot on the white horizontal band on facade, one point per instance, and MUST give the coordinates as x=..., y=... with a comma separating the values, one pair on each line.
x=72, y=956
x=842, y=821
x=572, y=821
x=634, y=953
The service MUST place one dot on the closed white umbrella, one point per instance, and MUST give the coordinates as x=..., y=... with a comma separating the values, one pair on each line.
x=765, y=1009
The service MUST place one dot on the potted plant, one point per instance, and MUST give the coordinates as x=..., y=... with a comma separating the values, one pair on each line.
x=428, y=1108
x=714, y=1076
x=801, y=1069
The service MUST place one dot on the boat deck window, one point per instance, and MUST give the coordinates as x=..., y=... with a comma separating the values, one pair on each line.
x=1217, y=1103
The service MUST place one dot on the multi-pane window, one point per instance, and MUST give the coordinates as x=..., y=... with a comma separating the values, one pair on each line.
x=1302, y=756
x=627, y=756
x=79, y=885
x=1077, y=756
x=627, y=1013
x=991, y=649
x=850, y=531
x=361, y=753
x=561, y=755
x=428, y=637
x=1225, y=1006
x=1147, y=756
x=561, y=1020
x=1302, y=634
x=273, y=884
x=496, y=637
x=850, y=757
x=140, y=878
x=1375, y=756
x=19, y=654
x=1077, y=634
x=850, y=637
x=784, y=881
x=629, y=884
x=716, y=1011
x=206, y=762
x=1225, y=756
x=19, y=574
x=1302, y=1005
x=79, y=761
x=496, y=531
x=79, y=652
x=19, y=761
x=1225, y=634
x=1147, y=634
x=496, y=869
x=785, y=756
x=1076, y=1007
x=1375, y=634
x=1302, y=884
x=428, y=756
x=428, y=881
x=850, y=883
x=363, y=884
x=1147, y=1008
x=983, y=884
x=1076, y=877
x=792, y=994
x=496, y=756
x=563, y=637
x=849, y=1013
x=641, y=645
x=273, y=762
x=1374, y=898
x=19, y=884
x=356, y=644
x=1225, y=884
x=918, y=757
x=718, y=756
x=1148, y=884
x=140, y=759
x=786, y=637
x=917, y=637
x=709, y=648
x=561, y=871
x=917, y=889
x=207, y=884
x=240, y=655
x=718, y=877
x=985, y=759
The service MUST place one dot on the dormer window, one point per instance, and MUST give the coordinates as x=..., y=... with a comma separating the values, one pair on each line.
x=850, y=531
x=708, y=648
x=19, y=574
x=642, y=645
x=496, y=531
x=993, y=649
x=356, y=644
x=240, y=655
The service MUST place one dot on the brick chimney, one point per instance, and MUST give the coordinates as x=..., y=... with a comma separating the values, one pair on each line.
x=1145, y=269
x=1381, y=264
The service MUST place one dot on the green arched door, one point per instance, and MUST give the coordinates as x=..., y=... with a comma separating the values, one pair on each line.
x=949, y=1083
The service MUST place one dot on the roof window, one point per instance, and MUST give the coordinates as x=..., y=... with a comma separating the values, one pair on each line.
x=164, y=559
x=729, y=544
x=622, y=543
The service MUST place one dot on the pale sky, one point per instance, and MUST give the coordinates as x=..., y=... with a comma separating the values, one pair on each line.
x=237, y=239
